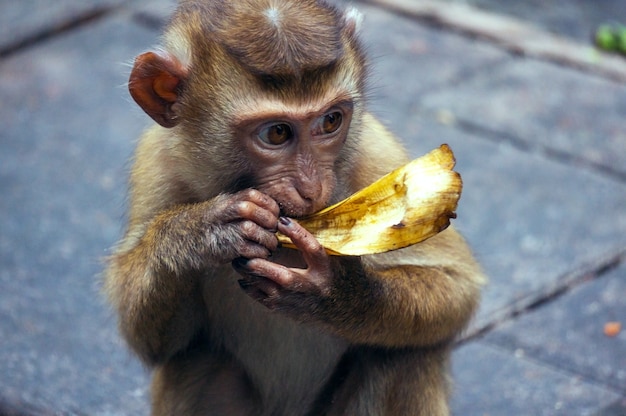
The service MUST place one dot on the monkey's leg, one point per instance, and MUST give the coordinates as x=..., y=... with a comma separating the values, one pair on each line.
x=384, y=382
x=199, y=383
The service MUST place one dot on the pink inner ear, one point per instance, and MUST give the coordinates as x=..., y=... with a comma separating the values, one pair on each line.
x=165, y=86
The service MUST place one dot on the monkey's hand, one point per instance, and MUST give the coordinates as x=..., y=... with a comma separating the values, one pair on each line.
x=292, y=290
x=242, y=225
x=225, y=228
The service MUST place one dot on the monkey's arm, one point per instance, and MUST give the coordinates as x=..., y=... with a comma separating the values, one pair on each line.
x=159, y=310
x=154, y=277
x=421, y=295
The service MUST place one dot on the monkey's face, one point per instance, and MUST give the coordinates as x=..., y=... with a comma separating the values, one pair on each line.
x=249, y=115
x=293, y=152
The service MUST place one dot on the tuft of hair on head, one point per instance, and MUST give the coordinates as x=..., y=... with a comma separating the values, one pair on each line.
x=273, y=15
x=353, y=19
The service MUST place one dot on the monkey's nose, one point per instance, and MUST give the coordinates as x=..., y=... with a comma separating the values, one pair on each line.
x=310, y=192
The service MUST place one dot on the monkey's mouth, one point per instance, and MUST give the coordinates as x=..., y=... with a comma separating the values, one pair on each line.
x=296, y=211
x=293, y=213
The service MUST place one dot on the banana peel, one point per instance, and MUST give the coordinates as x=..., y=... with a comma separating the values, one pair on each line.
x=404, y=207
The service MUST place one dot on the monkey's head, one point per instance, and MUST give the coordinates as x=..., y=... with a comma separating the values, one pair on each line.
x=260, y=93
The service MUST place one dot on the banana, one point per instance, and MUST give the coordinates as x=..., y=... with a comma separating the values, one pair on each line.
x=404, y=207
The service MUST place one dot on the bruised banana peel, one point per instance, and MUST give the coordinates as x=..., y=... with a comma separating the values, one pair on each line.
x=404, y=207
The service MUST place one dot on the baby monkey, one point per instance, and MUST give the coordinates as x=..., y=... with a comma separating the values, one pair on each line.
x=260, y=120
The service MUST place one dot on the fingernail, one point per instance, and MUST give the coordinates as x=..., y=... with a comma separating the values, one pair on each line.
x=284, y=221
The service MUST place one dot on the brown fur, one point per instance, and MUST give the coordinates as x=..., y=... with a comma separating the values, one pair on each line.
x=320, y=336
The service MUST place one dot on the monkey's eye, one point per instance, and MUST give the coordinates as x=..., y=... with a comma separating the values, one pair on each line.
x=276, y=134
x=329, y=123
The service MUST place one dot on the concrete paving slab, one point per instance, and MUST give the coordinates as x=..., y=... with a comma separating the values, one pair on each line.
x=523, y=38
x=618, y=408
x=490, y=381
x=25, y=20
x=563, y=111
x=574, y=19
x=568, y=333
x=68, y=129
x=153, y=13
x=409, y=59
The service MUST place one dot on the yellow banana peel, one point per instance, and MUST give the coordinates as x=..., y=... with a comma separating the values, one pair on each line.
x=404, y=207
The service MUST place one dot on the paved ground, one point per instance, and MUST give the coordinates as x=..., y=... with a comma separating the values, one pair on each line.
x=575, y=19
x=541, y=146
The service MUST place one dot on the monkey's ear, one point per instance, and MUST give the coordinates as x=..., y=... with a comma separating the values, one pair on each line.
x=155, y=83
x=352, y=20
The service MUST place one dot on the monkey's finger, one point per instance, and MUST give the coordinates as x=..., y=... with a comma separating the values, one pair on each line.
x=259, y=277
x=253, y=251
x=250, y=285
x=313, y=252
x=317, y=277
x=260, y=288
x=259, y=235
x=294, y=280
x=265, y=207
x=248, y=210
x=250, y=205
x=277, y=273
x=262, y=200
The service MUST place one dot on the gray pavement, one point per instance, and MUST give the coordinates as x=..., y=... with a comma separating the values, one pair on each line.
x=541, y=147
x=574, y=19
